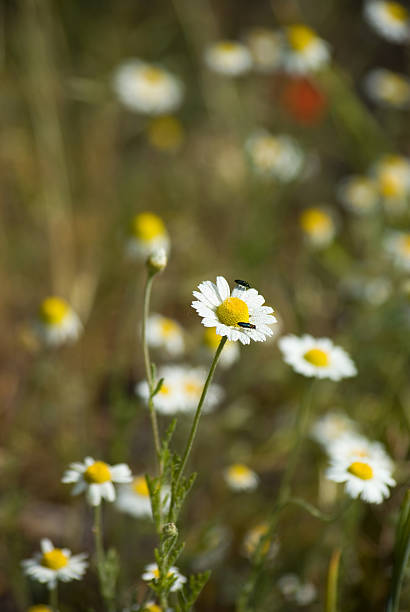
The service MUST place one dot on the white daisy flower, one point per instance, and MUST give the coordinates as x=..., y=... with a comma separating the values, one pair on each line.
x=192, y=381
x=240, y=477
x=390, y=19
x=57, y=323
x=358, y=194
x=163, y=332
x=397, y=245
x=332, y=426
x=147, y=235
x=226, y=310
x=231, y=351
x=388, y=88
x=228, y=57
x=253, y=537
x=392, y=175
x=301, y=593
x=96, y=479
x=351, y=445
x=316, y=357
x=133, y=498
x=304, y=50
x=168, y=399
x=366, y=478
x=318, y=226
x=152, y=573
x=279, y=157
x=266, y=47
x=54, y=565
x=147, y=88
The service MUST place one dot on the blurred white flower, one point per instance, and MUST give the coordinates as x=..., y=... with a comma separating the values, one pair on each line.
x=147, y=236
x=152, y=573
x=388, y=88
x=366, y=478
x=266, y=47
x=279, y=157
x=397, y=245
x=318, y=226
x=96, y=479
x=134, y=499
x=147, y=88
x=238, y=315
x=228, y=57
x=358, y=194
x=392, y=176
x=239, y=477
x=332, y=426
x=316, y=357
x=57, y=323
x=301, y=593
x=352, y=444
x=163, y=332
x=54, y=565
x=304, y=50
x=390, y=19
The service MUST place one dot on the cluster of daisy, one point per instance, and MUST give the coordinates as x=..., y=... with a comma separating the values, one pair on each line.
x=362, y=465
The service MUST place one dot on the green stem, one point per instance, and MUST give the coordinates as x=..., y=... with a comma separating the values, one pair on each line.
x=194, y=427
x=53, y=598
x=148, y=365
x=100, y=556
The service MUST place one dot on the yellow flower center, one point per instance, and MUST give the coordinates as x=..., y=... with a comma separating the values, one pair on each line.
x=317, y=357
x=211, y=338
x=54, y=559
x=147, y=226
x=168, y=327
x=253, y=537
x=232, y=311
x=97, y=473
x=156, y=573
x=361, y=470
x=165, y=389
x=397, y=11
x=300, y=37
x=152, y=608
x=165, y=133
x=54, y=310
x=191, y=387
x=153, y=75
x=140, y=486
x=227, y=46
x=39, y=608
x=405, y=245
x=390, y=185
x=315, y=221
x=239, y=471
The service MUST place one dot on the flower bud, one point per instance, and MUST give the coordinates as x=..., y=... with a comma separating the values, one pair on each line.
x=157, y=261
x=170, y=530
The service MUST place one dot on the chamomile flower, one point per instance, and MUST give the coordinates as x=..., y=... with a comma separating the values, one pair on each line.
x=358, y=194
x=228, y=57
x=266, y=47
x=147, y=88
x=147, y=235
x=133, y=498
x=165, y=134
x=397, y=245
x=390, y=19
x=279, y=157
x=96, y=479
x=163, y=332
x=253, y=537
x=231, y=351
x=318, y=226
x=366, y=478
x=57, y=323
x=168, y=398
x=152, y=573
x=316, y=357
x=192, y=381
x=331, y=427
x=53, y=565
x=304, y=50
x=392, y=175
x=388, y=88
x=239, y=477
x=351, y=445
x=224, y=309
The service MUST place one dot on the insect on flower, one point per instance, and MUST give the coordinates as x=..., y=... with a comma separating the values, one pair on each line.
x=246, y=325
x=242, y=285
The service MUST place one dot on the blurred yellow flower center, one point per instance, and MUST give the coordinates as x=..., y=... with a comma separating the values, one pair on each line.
x=227, y=46
x=192, y=387
x=156, y=573
x=211, y=338
x=359, y=452
x=239, y=471
x=152, y=608
x=97, y=473
x=232, y=311
x=39, y=608
x=405, y=245
x=317, y=357
x=300, y=37
x=54, y=559
x=147, y=226
x=153, y=75
x=253, y=537
x=165, y=133
x=397, y=11
x=314, y=220
x=165, y=390
x=140, y=486
x=361, y=470
x=54, y=310
x=168, y=327
x=265, y=151
x=390, y=185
